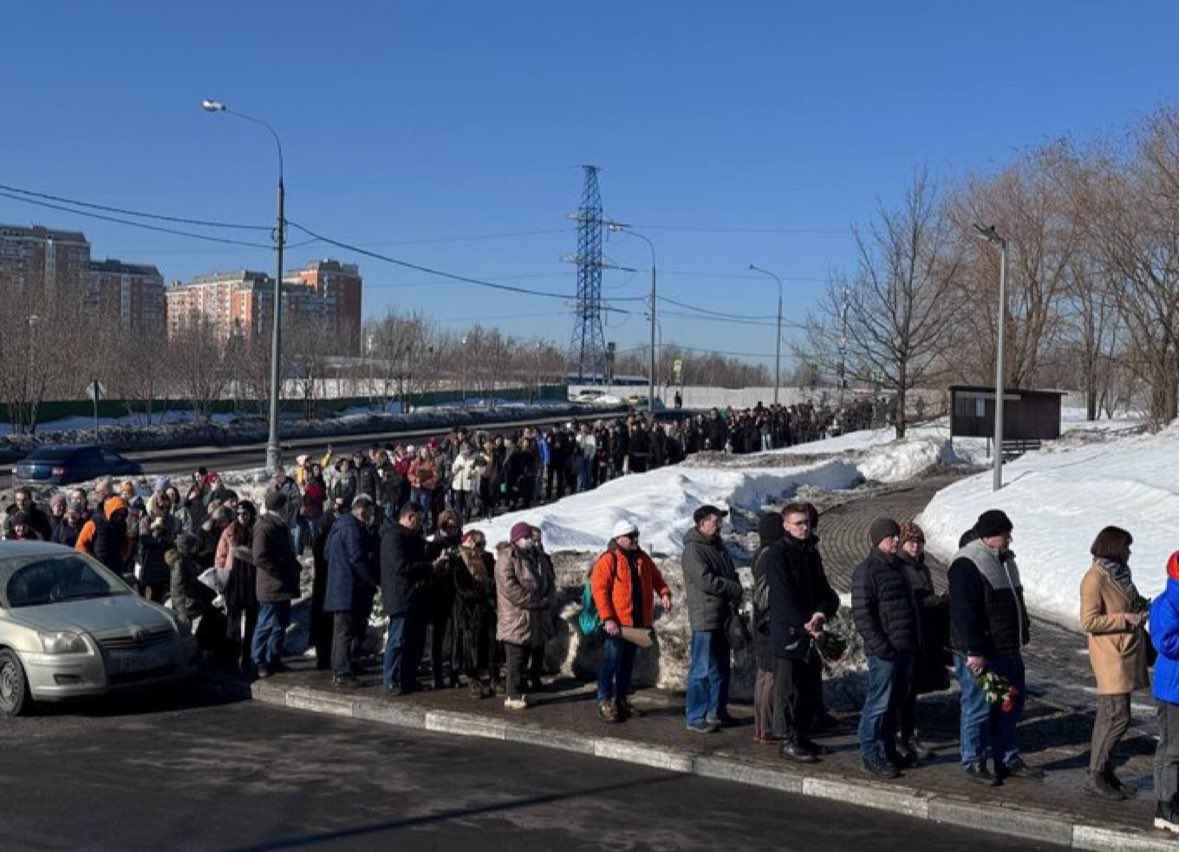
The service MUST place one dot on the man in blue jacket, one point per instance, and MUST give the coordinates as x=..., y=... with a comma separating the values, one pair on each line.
x=1164, y=633
x=353, y=553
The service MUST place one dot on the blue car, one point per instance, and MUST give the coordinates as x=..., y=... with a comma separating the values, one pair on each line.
x=64, y=464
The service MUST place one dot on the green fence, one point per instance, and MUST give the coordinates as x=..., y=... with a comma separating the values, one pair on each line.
x=322, y=408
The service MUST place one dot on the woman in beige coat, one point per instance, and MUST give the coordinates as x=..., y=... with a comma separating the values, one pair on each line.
x=1113, y=613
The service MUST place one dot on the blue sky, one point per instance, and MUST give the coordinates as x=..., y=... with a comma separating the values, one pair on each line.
x=451, y=134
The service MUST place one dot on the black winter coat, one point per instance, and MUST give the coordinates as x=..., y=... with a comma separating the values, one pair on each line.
x=274, y=560
x=798, y=589
x=404, y=569
x=110, y=537
x=353, y=565
x=933, y=610
x=884, y=607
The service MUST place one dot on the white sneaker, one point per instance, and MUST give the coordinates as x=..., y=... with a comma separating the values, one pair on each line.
x=516, y=703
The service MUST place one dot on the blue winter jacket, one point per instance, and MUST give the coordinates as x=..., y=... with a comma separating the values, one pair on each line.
x=352, y=551
x=1164, y=633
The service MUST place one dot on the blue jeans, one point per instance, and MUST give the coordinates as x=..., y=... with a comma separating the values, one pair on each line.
x=708, y=677
x=618, y=661
x=889, y=683
x=985, y=725
x=270, y=634
x=425, y=499
x=404, y=646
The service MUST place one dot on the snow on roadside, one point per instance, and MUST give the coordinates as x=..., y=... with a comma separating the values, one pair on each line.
x=1059, y=499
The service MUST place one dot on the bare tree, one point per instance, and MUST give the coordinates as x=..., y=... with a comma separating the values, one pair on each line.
x=898, y=304
x=199, y=364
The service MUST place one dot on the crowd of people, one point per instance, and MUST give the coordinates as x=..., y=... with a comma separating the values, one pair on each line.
x=382, y=531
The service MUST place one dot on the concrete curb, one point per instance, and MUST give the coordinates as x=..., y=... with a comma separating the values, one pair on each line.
x=1027, y=823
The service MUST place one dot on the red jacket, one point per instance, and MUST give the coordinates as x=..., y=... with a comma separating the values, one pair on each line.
x=610, y=583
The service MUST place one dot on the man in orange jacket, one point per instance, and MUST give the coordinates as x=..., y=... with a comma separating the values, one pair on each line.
x=624, y=582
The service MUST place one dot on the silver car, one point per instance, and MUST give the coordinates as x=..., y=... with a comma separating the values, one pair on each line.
x=70, y=628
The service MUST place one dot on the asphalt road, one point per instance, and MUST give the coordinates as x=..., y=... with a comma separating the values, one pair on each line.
x=181, y=773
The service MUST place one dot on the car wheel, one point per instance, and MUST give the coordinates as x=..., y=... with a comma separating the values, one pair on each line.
x=14, y=686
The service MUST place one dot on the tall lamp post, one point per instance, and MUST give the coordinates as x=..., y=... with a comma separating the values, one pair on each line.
x=626, y=229
x=464, y=376
x=992, y=236
x=273, y=451
x=778, y=348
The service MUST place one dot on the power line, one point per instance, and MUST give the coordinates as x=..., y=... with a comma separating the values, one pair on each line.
x=126, y=212
x=431, y=271
x=143, y=225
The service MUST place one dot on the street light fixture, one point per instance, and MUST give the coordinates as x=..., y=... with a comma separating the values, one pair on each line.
x=273, y=451
x=778, y=348
x=618, y=227
x=992, y=236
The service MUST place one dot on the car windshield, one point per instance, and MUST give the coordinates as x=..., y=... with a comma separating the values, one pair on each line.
x=44, y=578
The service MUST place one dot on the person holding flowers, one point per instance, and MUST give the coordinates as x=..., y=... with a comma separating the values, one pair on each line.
x=1113, y=613
x=988, y=626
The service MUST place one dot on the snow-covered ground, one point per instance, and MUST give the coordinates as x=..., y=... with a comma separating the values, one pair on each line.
x=1059, y=499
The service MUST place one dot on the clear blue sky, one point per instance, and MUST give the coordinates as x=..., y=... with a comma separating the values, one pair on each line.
x=451, y=134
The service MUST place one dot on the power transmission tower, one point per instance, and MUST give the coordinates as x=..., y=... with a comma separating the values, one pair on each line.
x=587, y=349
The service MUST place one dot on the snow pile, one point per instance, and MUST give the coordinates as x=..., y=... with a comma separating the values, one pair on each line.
x=1060, y=498
x=662, y=501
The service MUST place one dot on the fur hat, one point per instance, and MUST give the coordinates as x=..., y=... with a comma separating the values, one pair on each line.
x=911, y=532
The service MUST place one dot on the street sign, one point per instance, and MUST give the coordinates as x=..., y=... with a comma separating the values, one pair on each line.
x=677, y=367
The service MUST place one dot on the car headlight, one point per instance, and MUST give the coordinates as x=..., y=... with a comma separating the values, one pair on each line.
x=62, y=642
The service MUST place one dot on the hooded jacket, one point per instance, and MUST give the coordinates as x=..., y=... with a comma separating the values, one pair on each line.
x=613, y=587
x=526, y=594
x=106, y=539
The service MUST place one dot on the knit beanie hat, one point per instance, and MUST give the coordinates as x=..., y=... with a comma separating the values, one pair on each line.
x=275, y=501
x=769, y=529
x=911, y=532
x=520, y=530
x=881, y=529
x=1173, y=566
x=992, y=522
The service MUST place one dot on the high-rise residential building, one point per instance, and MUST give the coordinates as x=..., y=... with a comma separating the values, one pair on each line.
x=132, y=293
x=43, y=263
x=339, y=286
x=325, y=294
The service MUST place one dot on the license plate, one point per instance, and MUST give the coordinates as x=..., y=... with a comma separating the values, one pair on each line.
x=126, y=662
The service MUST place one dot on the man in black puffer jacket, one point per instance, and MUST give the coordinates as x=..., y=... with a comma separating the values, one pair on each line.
x=885, y=613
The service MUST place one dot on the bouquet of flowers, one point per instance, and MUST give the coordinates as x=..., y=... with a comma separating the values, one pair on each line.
x=997, y=689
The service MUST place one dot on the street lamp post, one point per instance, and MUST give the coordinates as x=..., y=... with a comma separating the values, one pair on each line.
x=992, y=236
x=778, y=348
x=273, y=451
x=625, y=229
x=464, y=378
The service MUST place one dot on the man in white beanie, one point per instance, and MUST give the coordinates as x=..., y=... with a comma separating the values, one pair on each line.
x=624, y=582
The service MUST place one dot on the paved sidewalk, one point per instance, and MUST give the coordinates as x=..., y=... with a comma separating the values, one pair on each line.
x=564, y=717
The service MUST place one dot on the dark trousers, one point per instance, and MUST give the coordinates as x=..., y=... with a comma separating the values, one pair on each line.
x=517, y=664
x=1110, y=725
x=907, y=723
x=763, y=703
x=525, y=663
x=347, y=638
x=1166, y=753
x=798, y=687
x=440, y=662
